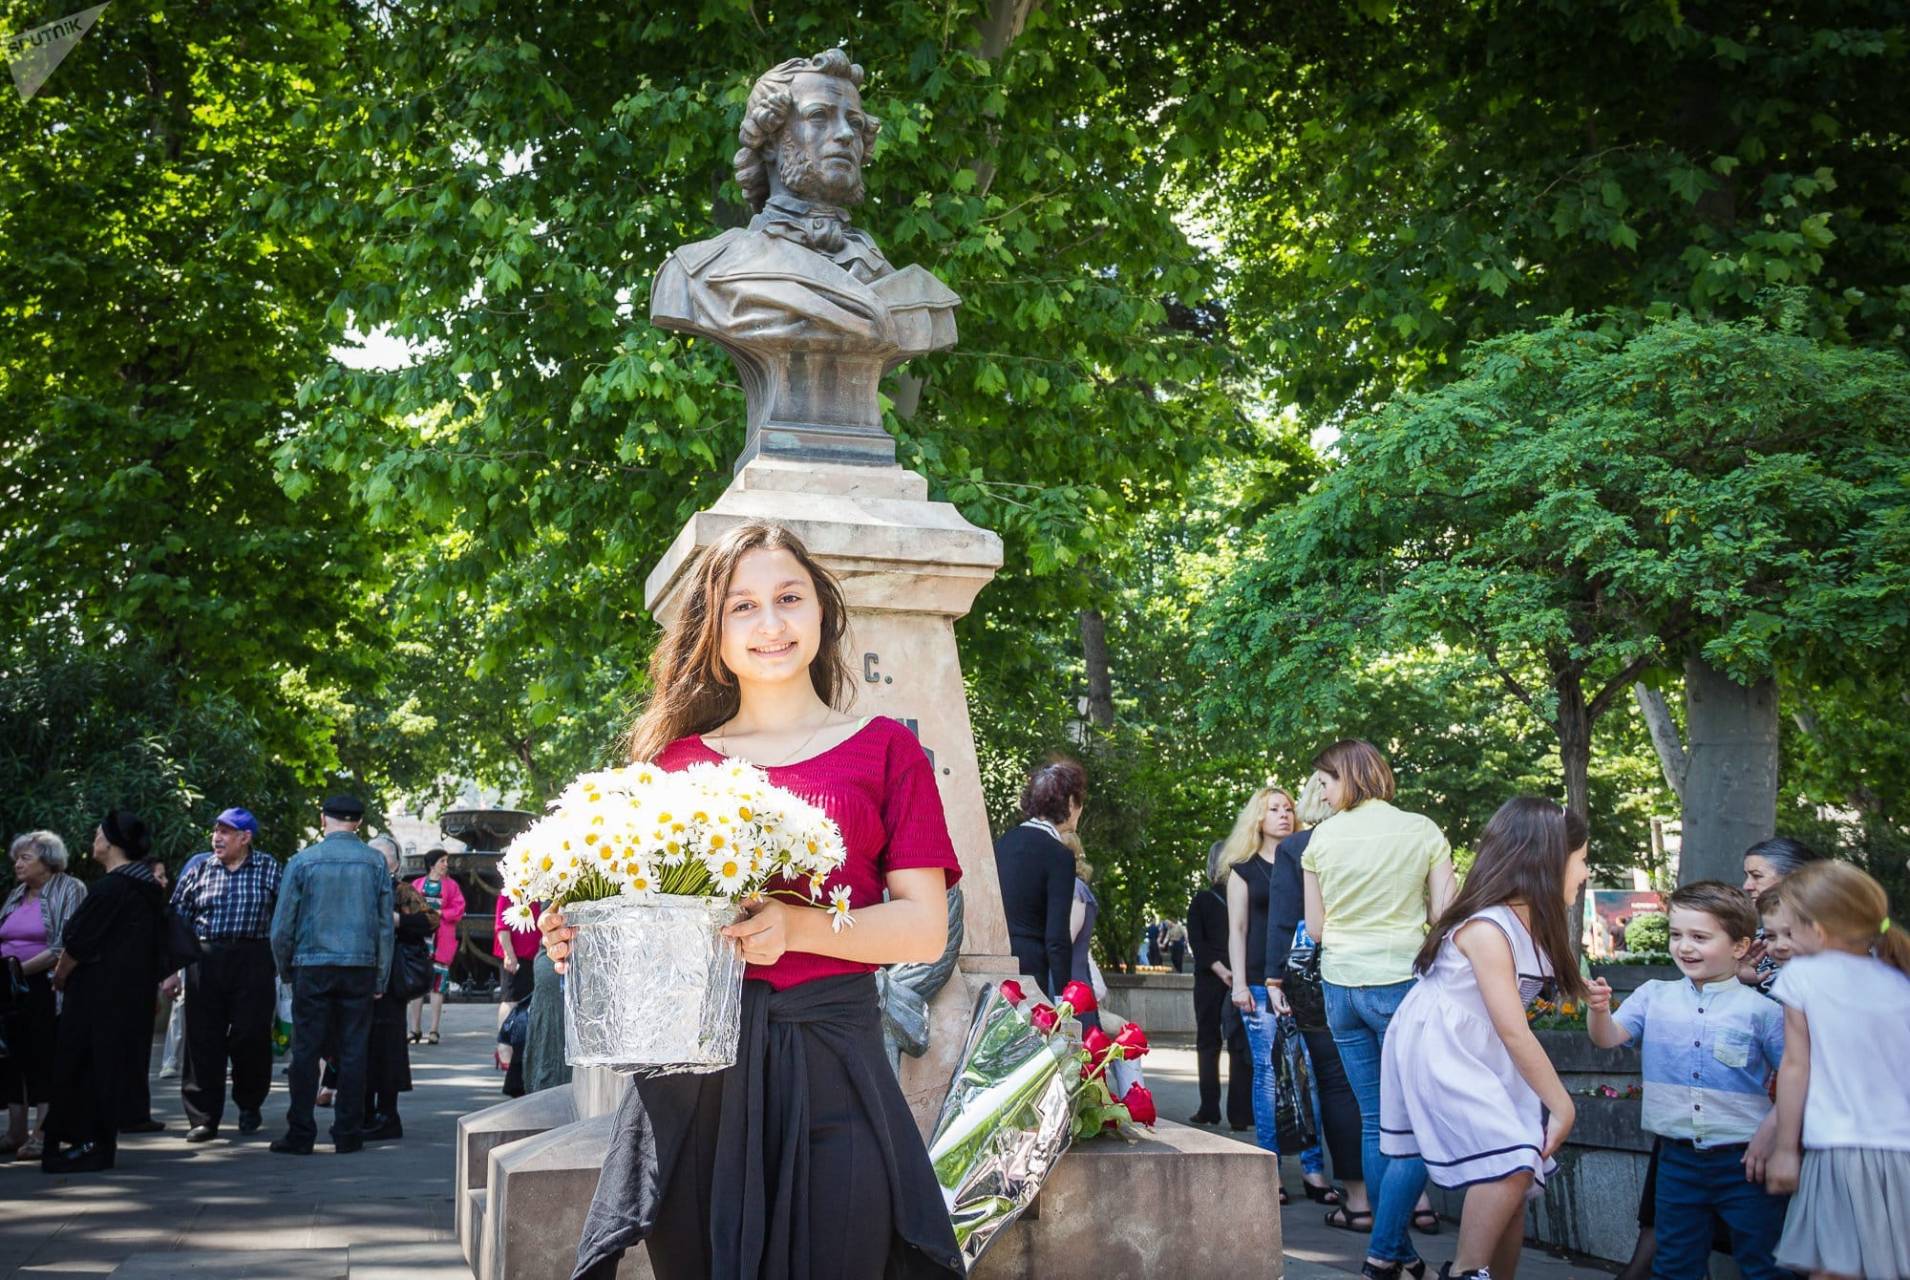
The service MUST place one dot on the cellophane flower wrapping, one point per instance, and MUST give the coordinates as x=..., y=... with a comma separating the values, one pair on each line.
x=648, y=866
x=1005, y=1123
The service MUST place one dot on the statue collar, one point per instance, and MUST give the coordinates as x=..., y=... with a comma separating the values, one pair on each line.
x=822, y=227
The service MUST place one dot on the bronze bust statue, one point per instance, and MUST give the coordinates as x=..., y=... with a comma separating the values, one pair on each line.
x=805, y=303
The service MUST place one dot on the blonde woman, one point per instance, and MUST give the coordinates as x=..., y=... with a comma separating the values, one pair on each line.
x=1081, y=918
x=1254, y=869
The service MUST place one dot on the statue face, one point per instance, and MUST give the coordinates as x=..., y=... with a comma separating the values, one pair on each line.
x=819, y=155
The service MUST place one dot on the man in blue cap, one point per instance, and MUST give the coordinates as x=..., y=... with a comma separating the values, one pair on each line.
x=332, y=932
x=227, y=896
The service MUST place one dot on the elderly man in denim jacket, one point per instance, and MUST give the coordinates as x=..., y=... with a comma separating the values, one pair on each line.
x=332, y=932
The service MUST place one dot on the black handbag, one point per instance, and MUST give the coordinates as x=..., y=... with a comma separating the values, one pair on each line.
x=410, y=970
x=1292, y=1090
x=1302, y=986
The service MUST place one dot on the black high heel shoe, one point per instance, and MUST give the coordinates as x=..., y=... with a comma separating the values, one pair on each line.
x=1321, y=1195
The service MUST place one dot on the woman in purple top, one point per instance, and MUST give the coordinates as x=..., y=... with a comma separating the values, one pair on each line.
x=32, y=926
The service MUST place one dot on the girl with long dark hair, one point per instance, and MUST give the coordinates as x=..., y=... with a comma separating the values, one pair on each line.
x=1502, y=941
x=802, y=1159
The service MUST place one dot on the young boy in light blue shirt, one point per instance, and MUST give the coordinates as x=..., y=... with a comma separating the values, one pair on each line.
x=1709, y=1045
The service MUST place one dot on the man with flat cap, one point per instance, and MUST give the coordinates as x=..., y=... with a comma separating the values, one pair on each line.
x=227, y=897
x=332, y=934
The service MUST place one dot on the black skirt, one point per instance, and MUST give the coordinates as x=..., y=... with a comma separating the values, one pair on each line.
x=801, y=1162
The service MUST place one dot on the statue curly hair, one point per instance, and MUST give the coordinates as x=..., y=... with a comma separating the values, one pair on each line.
x=767, y=110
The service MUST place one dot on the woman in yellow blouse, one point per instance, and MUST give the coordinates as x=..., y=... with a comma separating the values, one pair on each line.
x=1376, y=877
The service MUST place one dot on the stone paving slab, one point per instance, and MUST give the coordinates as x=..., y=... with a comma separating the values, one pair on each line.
x=168, y=1202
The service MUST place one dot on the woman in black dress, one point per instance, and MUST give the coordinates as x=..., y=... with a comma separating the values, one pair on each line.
x=388, y=1072
x=107, y=972
x=1207, y=935
x=1037, y=874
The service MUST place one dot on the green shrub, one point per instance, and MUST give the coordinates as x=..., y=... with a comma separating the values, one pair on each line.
x=1648, y=933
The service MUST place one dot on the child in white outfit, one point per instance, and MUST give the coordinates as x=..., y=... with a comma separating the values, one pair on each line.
x=1843, y=1098
x=1464, y=1083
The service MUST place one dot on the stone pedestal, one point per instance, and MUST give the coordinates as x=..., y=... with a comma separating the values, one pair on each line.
x=1183, y=1202
x=909, y=568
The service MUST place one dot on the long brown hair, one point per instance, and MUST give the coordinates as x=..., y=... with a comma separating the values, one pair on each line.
x=1848, y=905
x=1522, y=857
x=691, y=691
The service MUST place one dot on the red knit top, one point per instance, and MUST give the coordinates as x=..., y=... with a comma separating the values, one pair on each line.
x=879, y=787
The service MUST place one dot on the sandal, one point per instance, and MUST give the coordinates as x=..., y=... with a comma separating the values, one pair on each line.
x=1426, y=1222
x=32, y=1149
x=1321, y=1195
x=1345, y=1219
x=1372, y=1271
x=432, y=1038
x=1283, y=1197
x=417, y=1037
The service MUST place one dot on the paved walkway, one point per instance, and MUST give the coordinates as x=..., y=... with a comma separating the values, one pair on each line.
x=390, y=1204
x=385, y=1212
x=1314, y=1250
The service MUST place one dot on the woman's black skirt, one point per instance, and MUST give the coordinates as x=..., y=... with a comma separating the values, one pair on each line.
x=801, y=1162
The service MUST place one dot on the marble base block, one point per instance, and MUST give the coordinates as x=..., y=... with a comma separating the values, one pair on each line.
x=1183, y=1204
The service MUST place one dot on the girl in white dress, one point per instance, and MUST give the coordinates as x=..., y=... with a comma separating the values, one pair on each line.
x=1464, y=1083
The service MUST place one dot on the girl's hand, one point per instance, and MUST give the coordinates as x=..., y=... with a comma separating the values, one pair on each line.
x=765, y=935
x=1277, y=999
x=1558, y=1125
x=1599, y=998
x=557, y=936
x=1243, y=998
x=1781, y=1172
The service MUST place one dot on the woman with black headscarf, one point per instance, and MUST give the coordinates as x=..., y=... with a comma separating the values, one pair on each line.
x=107, y=973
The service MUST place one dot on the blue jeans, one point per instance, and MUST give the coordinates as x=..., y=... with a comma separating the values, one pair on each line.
x=1260, y=1026
x=1692, y=1186
x=1358, y=1017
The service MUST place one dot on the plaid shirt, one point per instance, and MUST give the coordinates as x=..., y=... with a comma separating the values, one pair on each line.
x=223, y=905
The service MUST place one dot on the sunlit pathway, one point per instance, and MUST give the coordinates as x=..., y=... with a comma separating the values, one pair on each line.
x=390, y=1203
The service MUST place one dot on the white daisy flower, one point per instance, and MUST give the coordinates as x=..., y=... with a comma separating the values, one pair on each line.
x=839, y=909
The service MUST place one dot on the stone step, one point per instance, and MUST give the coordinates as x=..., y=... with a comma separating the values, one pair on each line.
x=434, y=1260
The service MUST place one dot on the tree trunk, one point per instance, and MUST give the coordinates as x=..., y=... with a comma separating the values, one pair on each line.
x=1730, y=785
x=1575, y=761
x=1094, y=652
x=1575, y=745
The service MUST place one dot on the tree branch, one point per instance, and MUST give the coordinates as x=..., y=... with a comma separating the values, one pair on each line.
x=1672, y=756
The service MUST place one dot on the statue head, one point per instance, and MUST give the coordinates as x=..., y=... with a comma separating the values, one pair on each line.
x=804, y=131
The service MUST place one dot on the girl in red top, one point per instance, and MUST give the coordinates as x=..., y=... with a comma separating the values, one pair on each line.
x=802, y=1159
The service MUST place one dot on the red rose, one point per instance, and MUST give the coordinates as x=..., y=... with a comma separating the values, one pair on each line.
x=1079, y=996
x=1045, y=1018
x=1096, y=1042
x=1132, y=1039
x=1140, y=1105
x=1011, y=992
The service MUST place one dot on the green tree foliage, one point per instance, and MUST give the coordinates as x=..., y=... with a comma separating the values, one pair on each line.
x=1580, y=505
x=1397, y=181
x=152, y=334
x=507, y=179
x=85, y=732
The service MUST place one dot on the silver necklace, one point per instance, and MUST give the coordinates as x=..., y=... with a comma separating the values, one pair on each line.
x=777, y=764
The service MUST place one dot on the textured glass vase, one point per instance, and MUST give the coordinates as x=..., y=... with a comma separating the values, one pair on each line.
x=653, y=988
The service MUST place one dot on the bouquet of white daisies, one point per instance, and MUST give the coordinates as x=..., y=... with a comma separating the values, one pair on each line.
x=648, y=866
